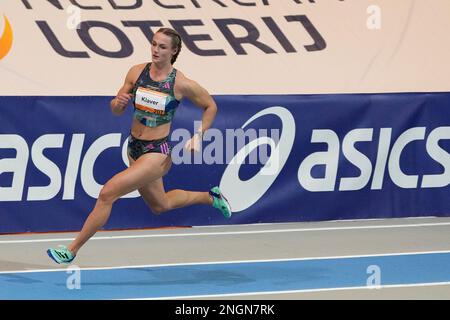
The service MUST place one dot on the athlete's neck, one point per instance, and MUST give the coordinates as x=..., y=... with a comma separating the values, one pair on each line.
x=160, y=72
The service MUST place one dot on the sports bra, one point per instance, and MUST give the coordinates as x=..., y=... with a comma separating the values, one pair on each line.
x=154, y=101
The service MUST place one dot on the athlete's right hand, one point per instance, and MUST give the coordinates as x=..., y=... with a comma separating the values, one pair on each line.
x=122, y=100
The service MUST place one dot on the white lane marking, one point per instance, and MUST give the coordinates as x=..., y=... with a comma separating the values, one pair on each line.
x=374, y=289
x=342, y=221
x=232, y=262
x=199, y=234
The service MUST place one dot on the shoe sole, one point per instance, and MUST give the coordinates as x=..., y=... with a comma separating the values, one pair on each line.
x=228, y=205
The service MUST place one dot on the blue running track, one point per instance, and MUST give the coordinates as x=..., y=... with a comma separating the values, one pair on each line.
x=228, y=278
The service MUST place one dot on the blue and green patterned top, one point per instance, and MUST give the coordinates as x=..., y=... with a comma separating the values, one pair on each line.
x=154, y=101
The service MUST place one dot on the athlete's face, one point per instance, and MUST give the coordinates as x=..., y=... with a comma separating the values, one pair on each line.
x=162, y=50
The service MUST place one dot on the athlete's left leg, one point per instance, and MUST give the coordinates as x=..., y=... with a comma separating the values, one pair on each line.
x=159, y=201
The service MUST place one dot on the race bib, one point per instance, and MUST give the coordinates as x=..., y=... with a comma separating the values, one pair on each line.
x=151, y=101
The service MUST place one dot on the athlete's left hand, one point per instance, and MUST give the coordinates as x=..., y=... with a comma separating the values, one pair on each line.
x=193, y=144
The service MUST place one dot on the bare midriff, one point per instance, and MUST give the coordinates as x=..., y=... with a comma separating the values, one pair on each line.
x=142, y=132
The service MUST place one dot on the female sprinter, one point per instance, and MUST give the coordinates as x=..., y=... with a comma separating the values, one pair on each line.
x=156, y=90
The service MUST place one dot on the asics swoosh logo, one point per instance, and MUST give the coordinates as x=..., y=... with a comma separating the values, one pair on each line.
x=6, y=39
x=243, y=194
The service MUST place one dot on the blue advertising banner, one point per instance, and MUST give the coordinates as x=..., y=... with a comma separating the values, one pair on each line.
x=277, y=158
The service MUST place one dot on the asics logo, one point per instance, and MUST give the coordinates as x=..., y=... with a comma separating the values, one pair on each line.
x=243, y=194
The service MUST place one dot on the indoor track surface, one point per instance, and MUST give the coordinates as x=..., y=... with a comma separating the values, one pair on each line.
x=361, y=259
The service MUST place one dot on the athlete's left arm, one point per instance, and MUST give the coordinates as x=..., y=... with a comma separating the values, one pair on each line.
x=201, y=98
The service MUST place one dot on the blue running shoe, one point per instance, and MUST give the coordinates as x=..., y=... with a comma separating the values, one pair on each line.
x=220, y=202
x=61, y=255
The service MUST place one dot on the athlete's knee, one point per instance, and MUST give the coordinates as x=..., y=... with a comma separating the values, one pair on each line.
x=108, y=194
x=160, y=208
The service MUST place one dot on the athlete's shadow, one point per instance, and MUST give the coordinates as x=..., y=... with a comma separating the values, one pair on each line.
x=181, y=276
x=218, y=277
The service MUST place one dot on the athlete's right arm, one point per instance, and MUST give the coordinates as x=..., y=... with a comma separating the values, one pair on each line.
x=120, y=102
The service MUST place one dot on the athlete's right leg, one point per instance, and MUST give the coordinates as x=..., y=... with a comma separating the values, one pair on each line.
x=147, y=168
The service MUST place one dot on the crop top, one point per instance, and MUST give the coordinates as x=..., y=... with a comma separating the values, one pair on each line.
x=154, y=101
